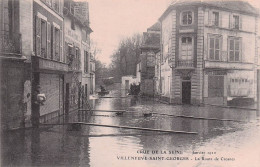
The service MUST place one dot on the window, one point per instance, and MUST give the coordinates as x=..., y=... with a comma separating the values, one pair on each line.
x=44, y=38
x=234, y=49
x=214, y=47
x=186, y=48
x=215, y=19
x=186, y=18
x=86, y=55
x=235, y=22
x=215, y=86
x=56, y=44
x=77, y=61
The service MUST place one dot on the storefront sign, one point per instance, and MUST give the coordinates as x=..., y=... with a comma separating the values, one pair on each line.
x=45, y=64
x=52, y=65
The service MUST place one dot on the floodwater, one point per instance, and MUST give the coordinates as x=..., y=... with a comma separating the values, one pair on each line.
x=225, y=137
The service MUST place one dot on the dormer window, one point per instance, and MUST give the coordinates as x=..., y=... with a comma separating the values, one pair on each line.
x=186, y=18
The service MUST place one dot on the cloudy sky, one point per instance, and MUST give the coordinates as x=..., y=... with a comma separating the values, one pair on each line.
x=111, y=20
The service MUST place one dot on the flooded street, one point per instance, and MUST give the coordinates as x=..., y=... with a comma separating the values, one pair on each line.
x=222, y=133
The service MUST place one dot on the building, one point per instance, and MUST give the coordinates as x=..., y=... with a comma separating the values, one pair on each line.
x=49, y=62
x=35, y=59
x=77, y=51
x=149, y=48
x=16, y=48
x=208, y=52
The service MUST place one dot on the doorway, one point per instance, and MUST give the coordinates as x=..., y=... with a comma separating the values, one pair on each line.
x=186, y=92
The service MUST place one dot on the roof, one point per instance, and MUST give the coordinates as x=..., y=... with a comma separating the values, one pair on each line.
x=155, y=27
x=151, y=40
x=238, y=6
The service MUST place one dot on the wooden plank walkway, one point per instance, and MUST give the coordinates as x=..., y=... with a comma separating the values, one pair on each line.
x=124, y=127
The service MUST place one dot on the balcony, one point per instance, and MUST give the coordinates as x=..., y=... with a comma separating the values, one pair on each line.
x=10, y=43
x=185, y=64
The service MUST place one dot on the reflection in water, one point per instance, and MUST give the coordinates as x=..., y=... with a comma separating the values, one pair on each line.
x=100, y=146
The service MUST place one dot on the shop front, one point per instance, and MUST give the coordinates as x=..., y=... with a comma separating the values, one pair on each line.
x=48, y=79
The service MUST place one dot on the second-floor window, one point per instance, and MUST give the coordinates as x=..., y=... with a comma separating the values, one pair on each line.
x=48, y=37
x=215, y=19
x=235, y=22
x=186, y=18
x=186, y=49
x=43, y=38
x=214, y=47
x=234, y=49
x=56, y=44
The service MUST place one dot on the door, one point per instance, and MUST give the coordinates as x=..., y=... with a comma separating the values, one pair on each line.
x=186, y=92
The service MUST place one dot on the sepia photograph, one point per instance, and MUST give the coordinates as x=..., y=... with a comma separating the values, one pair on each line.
x=130, y=83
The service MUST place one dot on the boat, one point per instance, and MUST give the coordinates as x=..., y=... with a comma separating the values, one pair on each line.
x=103, y=93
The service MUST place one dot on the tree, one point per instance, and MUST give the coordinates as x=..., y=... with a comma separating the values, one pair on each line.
x=126, y=57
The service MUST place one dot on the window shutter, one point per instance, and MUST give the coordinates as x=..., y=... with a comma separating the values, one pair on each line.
x=210, y=18
x=38, y=36
x=48, y=40
x=66, y=52
x=206, y=16
x=53, y=43
x=240, y=22
x=61, y=46
x=220, y=19
x=79, y=60
x=230, y=21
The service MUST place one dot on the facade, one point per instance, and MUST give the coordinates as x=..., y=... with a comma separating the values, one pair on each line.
x=77, y=51
x=15, y=29
x=208, y=52
x=149, y=49
x=36, y=59
x=48, y=63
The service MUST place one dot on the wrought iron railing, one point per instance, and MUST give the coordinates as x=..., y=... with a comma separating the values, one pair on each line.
x=10, y=42
x=185, y=63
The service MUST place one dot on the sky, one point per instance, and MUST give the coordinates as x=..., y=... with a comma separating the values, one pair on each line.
x=112, y=20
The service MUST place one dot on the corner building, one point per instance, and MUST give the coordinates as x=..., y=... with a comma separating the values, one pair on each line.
x=209, y=51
